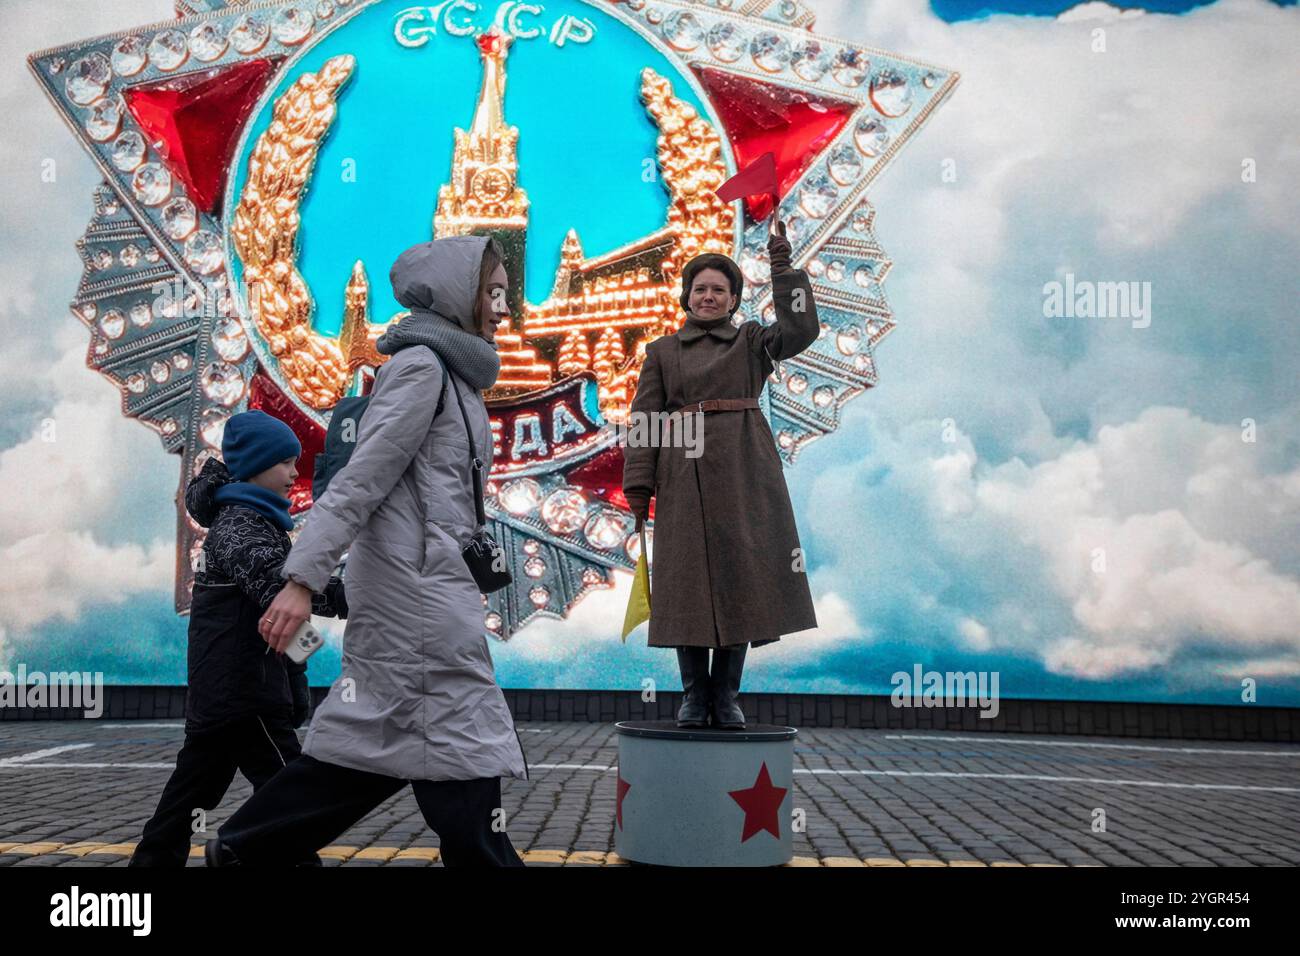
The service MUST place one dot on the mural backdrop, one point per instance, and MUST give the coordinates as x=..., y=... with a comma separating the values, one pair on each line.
x=1049, y=430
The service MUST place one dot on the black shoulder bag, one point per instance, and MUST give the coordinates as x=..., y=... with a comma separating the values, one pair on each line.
x=486, y=559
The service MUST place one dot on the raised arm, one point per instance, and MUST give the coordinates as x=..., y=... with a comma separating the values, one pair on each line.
x=394, y=425
x=796, y=326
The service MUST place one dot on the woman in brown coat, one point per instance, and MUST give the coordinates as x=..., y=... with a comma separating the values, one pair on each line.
x=728, y=568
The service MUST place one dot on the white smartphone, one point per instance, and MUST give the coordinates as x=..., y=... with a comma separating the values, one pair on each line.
x=306, y=642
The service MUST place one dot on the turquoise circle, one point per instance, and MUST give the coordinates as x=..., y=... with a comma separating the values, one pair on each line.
x=585, y=145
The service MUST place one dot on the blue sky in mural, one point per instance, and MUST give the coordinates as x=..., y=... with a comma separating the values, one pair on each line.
x=945, y=518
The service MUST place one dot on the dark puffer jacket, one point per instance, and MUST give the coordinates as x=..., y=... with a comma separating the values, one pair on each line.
x=232, y=672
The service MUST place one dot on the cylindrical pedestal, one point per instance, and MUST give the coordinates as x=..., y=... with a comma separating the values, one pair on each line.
x=704, y=797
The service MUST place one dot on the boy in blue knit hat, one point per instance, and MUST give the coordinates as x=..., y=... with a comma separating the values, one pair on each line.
x=244, y=701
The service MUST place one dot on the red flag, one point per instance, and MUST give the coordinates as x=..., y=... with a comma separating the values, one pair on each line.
x=755, y=179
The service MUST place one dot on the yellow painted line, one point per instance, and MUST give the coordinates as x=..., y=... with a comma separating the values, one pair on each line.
x=381, y=853
x=337, y=852
x=114, y=849
x=429, y=853
x=544, y=856
x=586, y=858
x=33, y=849
x=432, y=854
x=80, y=849
x=71, y=849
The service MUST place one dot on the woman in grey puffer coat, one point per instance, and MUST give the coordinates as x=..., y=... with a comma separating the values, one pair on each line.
x=417, y=700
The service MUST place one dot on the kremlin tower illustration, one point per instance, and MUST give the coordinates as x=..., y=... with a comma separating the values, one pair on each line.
x=600, y=311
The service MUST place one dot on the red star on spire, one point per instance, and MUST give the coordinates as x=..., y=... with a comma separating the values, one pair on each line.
x=760, y=803
x=623, y=788
x=492, y=41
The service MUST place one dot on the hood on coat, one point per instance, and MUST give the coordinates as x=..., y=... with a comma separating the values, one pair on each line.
x=201, y=492
x=441, y=277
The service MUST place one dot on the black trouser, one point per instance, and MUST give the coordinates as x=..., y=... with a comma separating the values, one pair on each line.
x=311, y=803
x=258, y=747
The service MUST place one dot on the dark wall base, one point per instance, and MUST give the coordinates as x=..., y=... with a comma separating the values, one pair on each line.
x=1068, y=717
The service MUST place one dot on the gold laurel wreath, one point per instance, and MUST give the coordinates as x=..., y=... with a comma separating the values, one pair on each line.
x=267, y=221
x=690, y=160
x=265, y=231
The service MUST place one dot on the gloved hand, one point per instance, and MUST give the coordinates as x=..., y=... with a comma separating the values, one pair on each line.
x=779, y=250
x=336, y=595
x=638, y=502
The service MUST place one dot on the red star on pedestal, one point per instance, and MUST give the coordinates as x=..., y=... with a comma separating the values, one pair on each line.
x=761, y=802
x=623, y=788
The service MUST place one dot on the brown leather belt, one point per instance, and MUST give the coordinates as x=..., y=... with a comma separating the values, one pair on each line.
x=717, y=405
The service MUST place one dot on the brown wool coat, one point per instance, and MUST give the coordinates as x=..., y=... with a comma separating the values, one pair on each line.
x=725, y=569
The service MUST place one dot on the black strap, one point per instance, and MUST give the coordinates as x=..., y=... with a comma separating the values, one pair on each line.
x=442, y=393
x=475, y=463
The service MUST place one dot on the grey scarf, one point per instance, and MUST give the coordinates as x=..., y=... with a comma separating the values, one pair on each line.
x=472, y=357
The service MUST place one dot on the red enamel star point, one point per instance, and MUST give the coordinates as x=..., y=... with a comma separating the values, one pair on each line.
x=194, y=120
x=763, y=117
x=761, y=804
x=602, y=477
x=623, y=788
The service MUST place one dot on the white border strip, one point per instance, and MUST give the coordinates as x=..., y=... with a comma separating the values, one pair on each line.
x=818, y=771
x=976, y=738
x=41, y=754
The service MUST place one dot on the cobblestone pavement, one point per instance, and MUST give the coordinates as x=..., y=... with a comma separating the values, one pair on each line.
x=77, y=793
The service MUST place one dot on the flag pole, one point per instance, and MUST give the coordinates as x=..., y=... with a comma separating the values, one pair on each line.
x=647, y=566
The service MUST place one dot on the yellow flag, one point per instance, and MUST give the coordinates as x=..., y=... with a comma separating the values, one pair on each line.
x=638, y=603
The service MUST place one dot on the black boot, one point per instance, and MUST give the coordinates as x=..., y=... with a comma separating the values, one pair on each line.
x=728, y=665
x=694, y=665
x=217, y=853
